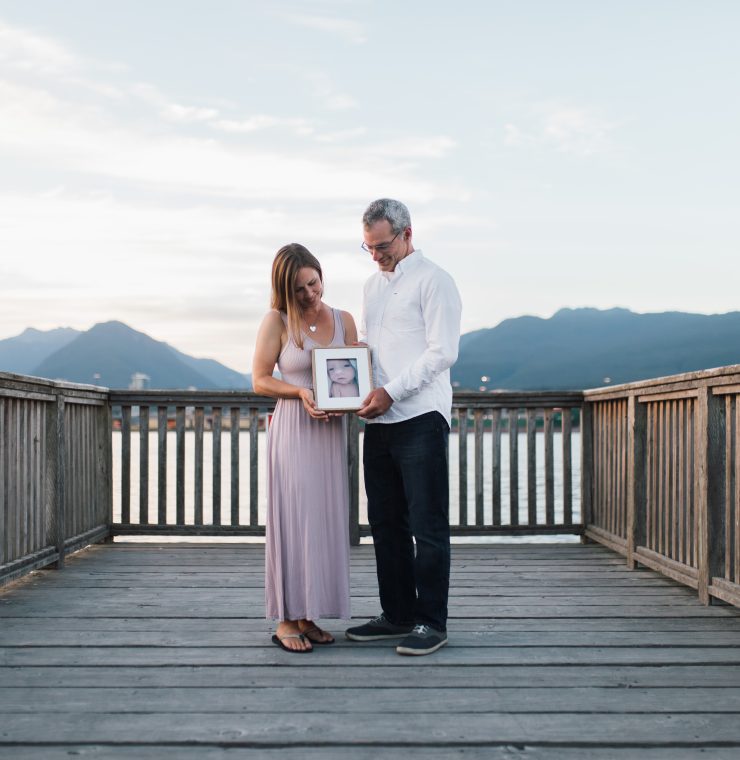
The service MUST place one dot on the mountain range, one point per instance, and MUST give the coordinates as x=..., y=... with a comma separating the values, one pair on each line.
x=110, y=354
x=588, y=348
x=573, y=349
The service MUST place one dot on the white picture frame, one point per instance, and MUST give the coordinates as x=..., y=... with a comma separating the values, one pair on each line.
x=343, y=393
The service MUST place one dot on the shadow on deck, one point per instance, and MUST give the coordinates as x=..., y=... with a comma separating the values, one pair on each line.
x=556, y=651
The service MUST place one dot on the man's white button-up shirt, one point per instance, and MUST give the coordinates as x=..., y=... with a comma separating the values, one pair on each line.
x=411, y=322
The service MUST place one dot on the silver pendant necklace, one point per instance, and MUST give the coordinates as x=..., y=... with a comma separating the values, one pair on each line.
x=315, y=325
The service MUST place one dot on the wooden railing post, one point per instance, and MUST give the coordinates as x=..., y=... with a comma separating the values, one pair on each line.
x=636, y=431
x=105, y=466
x=587, y=464
x=353, y=466
x=59, y=509
x=709, y=488
x=717, y=421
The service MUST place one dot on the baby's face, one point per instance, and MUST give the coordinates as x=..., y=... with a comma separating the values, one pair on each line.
x=340, y=371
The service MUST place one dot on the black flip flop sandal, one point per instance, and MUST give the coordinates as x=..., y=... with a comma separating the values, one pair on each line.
x=278, y=641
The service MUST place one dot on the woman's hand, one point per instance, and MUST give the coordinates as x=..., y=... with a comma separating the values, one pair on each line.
x=306, y=396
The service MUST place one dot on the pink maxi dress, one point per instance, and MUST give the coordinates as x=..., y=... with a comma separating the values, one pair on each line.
x=307, y=541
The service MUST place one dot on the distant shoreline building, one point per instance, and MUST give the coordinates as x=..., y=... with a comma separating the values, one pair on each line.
x=139, y=382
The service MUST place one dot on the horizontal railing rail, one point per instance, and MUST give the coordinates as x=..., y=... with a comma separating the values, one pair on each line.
x=662, y=482
x=55, y=483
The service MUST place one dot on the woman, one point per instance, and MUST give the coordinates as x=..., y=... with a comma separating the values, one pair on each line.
x=307, y=545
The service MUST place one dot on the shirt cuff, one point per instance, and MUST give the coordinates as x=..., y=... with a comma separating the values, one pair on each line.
x=395, y=390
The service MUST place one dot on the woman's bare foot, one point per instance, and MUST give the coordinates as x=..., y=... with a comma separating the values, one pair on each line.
x=313, y=633
x=290, y=635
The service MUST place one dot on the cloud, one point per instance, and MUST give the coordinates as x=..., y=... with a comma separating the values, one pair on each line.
x=348, y=30
x=260, y=122
x=58, y=133
x=26, y=52
x=417, y=147
x=577, y=130
x=324, y=89
x=72, y=130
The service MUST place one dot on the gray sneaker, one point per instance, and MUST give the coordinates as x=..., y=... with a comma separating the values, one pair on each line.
x=422, y=640
x=378, y=628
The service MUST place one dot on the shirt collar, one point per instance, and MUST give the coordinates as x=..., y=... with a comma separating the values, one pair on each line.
x=406, y=264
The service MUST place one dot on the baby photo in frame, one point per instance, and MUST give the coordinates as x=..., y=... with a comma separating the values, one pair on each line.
x=342, y=377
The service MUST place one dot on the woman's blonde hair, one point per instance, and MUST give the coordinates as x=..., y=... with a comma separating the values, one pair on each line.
x=288, y=261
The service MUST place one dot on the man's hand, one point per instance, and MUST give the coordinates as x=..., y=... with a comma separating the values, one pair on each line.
x=377, y=402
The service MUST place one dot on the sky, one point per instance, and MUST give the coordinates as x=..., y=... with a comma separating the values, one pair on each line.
x=155, y=154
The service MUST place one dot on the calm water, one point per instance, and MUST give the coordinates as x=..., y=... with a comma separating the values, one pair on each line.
x=244, y=477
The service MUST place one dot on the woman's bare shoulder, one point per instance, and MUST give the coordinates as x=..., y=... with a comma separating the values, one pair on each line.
x=350, y=329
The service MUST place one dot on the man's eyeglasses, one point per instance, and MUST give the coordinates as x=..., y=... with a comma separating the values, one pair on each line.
x=381, y=247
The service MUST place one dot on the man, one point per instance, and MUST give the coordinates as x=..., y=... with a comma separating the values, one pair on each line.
x=411, y=322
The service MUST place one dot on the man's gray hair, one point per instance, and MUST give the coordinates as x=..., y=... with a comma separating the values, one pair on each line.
x=389, y=210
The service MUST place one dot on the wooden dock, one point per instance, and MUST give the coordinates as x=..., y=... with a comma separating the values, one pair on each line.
x=556, y=651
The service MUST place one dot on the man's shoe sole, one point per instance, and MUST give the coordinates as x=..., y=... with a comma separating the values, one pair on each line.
x=430, y=650
x=377, y=636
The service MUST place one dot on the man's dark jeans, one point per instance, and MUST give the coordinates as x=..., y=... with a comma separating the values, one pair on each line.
x=406, y=480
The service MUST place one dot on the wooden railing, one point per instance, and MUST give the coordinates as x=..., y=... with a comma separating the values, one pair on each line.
x=55, y=481
x=207, y=416
x=494, y=416
x=659, y=462
x=663, y=477
x=182, y=508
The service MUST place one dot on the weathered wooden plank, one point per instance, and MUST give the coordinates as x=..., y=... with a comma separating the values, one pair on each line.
x=367, y=608
x=371, y=752
x=14, y=628
x=367, y=654
x=257, y=635
x=493, y=729
x=294, y=698
x=365, y=578
x=400, y=673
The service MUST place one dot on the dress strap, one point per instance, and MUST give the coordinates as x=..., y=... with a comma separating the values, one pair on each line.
x=338, y=328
